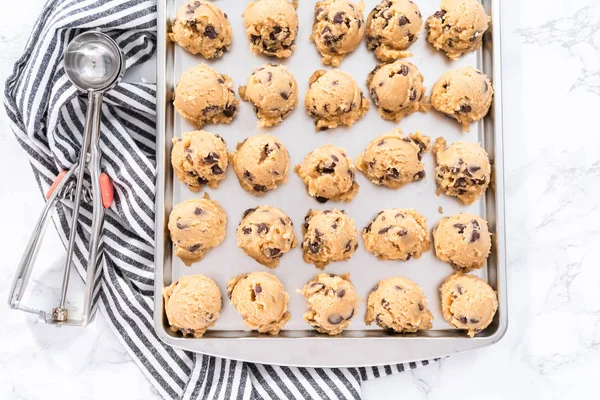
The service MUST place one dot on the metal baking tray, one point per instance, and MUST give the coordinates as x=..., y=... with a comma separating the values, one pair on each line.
x=297, y=344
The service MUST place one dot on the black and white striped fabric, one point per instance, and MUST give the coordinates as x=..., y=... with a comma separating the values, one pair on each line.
x=47, y=116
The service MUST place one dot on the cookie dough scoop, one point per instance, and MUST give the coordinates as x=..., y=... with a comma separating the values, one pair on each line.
x=392, y=27
x=192, y=305
x=271, y=27
x=399, y=305
x=261, y=300
x=468, y=303
x=332, y=303
x=464, y=94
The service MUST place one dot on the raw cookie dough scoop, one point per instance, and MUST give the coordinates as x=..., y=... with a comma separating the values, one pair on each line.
x=94, y=63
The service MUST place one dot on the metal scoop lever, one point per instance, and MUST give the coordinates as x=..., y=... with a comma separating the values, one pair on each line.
x=94, y=63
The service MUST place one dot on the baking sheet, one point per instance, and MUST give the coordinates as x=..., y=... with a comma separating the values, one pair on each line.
x=298, y=134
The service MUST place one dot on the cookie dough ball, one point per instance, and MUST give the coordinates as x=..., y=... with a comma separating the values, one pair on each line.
x=192, y=305
x=468, y=303
x=333, y=98
x=271, y=27
x=329, y=235
x=332, y=303
x=266, y=233
x=392, y=27
x=196, y=226
x=200, y=27
x=464, y=94
x=261, y=163
x=199, y=158
x=273, y=92
x=397, y=90
x=393, y=160
x=397, y=234
x=458, y=27
x=328, y=174
x=399, y=305
x=261, y=300
x=463, y=240
x=463, y=169
x=338, y=29
x=204, y=96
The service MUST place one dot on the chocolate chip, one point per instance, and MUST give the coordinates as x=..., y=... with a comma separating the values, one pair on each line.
x=257, y=288
x=324, y=169
x=419, y=175
x=248, y=212
x=195, y=247
x=465, y=108
x=392, y=173
x=408, y=257
x=473, y=320
x=384, y=230
x=262, y=228
x=269, y=76
x=381, y=143
x=463, y=320
x=284, y=95
x=211, y=158
x=403, y=21
x=473, y=168
x=348, y=246
x=318, y=11
x=413, y=95
x=351, y=315
x=440, y=14
x=341, y=293
x=411, y=37
x=459, y=289
x=273, y=252
x=334, y=225
x=460, y=227
x=209, y=109
x=368, y=227
x=216, y=170
x=402, y=232
x=315, y=284
x=475, y=236
x=315, y=246
x=398, y=287
x=181, y=225
x=485, y=86
x=338, y=18
x=385, y=304
x=202, y=180
x=229, y=111
x=421, y=307
x=335, y=319
x=255, y=39
x=221, y=81
x=210, y=32
x=247, y=230
x=248, y=176
x=325, y=30
x=462, y=182
x=321, y=199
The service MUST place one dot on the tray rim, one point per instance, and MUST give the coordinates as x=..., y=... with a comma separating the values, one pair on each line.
x=276, y=350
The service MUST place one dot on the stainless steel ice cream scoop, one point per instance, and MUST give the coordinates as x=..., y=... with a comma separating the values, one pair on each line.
x=94, y=63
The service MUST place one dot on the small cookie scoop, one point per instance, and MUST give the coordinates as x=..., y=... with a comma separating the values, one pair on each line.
x=392, y=27
x=261, y=300
x=201, y=27
x=463, y=170
x=463, y=240
x=338, y=28
x=266, y=233
x=398, y=304
x=271, y=27
x=199, y=158
x=464, y=94
x=273, y=92
x=192, y=305
x=329, y=235
x=332, y=303
x=468, y=303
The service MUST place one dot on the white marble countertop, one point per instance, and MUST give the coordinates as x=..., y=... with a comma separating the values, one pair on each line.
x=551, y=70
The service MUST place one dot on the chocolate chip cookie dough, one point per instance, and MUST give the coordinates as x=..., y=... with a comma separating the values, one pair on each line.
x=392, y=27
x=399, y=305
x=464, y=94
x=271, y=27
x=458, y=27
x=266, y=233
x=200, y=27
x=397, y=90
x=393, y=160
x=329, y=235
x=328, y=174
x=273, y=91
x=204, y=96
x=338, y=29
x=463, y=240
x=397, y=234
x=332, y=303
x=333, y=98
x=463, y=169
x=192, y=305
x=261, y=163
x=196, y=226
x=468, y=303
x=261, y=300
x=199, y=158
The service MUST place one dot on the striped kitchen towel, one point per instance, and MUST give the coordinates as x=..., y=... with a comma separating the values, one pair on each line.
x=47, y=116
